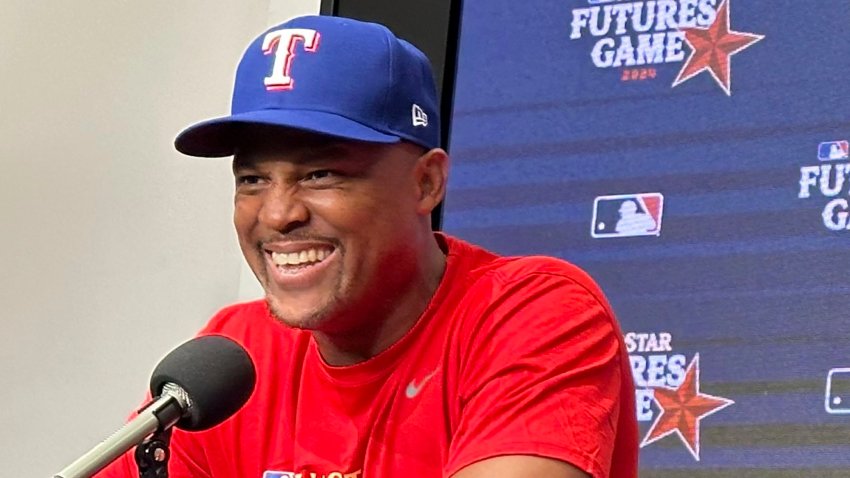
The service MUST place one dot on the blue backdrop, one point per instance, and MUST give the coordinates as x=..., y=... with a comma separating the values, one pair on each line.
x=692, y=156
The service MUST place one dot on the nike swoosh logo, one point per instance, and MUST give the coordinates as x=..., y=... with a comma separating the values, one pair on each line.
x=413, y=388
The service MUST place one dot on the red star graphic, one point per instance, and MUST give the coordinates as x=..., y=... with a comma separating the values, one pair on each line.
x=682, y=409
x=712, y=49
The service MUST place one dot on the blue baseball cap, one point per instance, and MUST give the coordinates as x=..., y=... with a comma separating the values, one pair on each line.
x=328, y=75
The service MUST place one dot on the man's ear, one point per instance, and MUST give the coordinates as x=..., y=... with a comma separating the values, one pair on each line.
x=432, y=173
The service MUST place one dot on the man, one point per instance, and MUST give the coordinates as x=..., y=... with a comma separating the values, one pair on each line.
x=382, y=349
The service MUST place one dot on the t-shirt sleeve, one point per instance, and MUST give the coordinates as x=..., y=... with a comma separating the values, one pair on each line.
x=541, y=375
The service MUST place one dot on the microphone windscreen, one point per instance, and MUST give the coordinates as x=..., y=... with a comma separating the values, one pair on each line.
x=215, y=372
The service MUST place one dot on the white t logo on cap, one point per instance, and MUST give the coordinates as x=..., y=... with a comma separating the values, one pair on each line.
x=288, y=38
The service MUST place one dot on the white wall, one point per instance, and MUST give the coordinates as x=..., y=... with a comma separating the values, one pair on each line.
x=115, y=248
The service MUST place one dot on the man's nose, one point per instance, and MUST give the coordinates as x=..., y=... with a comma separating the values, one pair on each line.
x=283, y=209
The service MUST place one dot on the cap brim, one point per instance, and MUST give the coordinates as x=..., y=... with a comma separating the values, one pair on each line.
x=218, y=137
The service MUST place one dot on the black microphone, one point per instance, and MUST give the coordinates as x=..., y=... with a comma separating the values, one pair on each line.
x=198, y=385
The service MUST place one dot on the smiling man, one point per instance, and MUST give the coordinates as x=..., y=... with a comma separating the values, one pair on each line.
x=383, y=349
x=338, y=233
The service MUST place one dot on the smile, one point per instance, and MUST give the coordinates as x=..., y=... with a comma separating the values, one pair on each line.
x=299, y=266
x=298, y=258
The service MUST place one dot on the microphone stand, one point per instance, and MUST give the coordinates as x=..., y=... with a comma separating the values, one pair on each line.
x=152, y=455
x=152, y=421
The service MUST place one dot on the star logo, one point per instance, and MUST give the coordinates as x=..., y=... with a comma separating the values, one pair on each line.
x=712, y=49
x=682, y=409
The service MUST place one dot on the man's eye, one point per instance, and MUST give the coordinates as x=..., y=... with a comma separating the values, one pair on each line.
x=248, y=179
x=319, y=174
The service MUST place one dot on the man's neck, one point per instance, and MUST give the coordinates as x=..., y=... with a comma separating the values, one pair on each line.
x=398, y=316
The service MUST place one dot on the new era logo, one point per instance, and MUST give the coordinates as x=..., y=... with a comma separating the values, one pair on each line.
x=418, y=115
x=627, y=215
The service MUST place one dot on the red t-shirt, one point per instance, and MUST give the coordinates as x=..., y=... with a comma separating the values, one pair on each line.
x=512, y=356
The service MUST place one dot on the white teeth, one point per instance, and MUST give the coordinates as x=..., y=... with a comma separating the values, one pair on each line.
x=298, y=258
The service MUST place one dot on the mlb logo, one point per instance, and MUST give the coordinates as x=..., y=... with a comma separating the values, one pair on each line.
x=837, y=400
x=833, y=150
x=627, y=215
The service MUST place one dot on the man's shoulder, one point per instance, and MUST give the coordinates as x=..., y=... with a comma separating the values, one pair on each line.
x=481, y=269
x=513, y=271
x=251, y=325
x=482, y=262
x=519, y=266
x=254, y=308
x=242, y=319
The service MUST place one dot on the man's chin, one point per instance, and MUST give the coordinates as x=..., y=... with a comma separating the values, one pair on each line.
x=311, y=319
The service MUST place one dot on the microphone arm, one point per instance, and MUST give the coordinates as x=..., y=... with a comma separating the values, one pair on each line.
x=160, y=415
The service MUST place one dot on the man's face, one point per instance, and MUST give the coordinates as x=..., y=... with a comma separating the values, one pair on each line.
x=328, y=226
